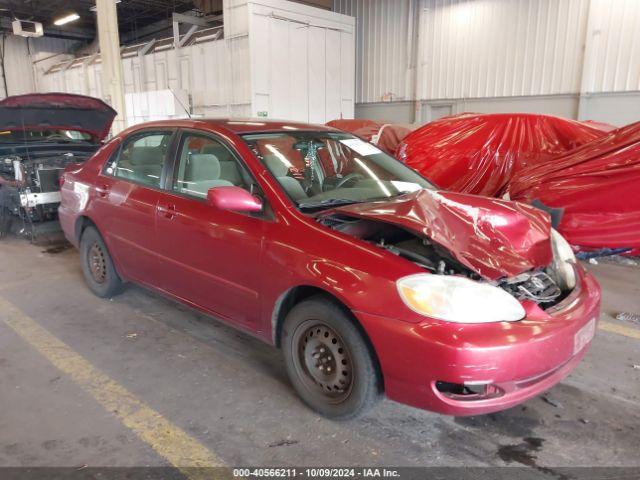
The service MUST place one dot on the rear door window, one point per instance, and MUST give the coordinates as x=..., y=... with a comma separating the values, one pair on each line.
x=141, y=158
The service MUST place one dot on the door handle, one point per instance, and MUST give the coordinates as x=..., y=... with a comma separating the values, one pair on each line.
x=102, y=190
x=167, y=211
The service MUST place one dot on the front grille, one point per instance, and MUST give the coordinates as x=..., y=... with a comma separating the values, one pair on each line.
x=536, y=286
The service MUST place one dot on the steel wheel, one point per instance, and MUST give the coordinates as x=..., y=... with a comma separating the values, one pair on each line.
x=323, y=361
x=97, y=263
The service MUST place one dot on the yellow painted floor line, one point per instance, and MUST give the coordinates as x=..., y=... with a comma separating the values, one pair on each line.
x=620, y=330
x=164, y=437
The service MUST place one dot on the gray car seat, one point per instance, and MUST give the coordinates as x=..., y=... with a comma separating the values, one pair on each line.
x=202, y=172
x=290, y=184
x=146, y=165
x=228, y=167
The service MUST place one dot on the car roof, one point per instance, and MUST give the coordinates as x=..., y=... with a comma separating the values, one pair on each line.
x=238, y=125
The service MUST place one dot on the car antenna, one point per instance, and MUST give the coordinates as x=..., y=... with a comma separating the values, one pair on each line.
x=180, y=102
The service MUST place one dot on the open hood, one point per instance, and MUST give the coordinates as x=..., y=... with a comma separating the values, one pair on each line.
x=495, y=238
x=42, y=111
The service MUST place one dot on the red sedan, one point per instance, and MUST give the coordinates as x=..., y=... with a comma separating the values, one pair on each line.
x=311, y=239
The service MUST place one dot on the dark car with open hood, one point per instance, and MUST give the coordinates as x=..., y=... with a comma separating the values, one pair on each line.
x=369, y=279
x=40, y=134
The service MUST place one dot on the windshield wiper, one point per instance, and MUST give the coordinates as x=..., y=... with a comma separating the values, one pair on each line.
x=330, y=202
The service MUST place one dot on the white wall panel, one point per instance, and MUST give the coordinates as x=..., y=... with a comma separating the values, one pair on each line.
x=613, y=47
x=18, y=73
x=496, y=48
x=215, y=74
x=383, y=47
x=284, y=60
x=317, y=46
x=302, y=62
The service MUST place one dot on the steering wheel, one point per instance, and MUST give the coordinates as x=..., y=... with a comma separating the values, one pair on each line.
x=348, y=178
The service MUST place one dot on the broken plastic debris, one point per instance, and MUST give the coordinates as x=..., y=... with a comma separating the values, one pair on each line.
x=131, y=335
x=593, y=261
x=628, y=317
x=551, y=402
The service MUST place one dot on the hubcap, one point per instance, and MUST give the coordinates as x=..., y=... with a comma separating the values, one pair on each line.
x=97, y=263
x=323, y=361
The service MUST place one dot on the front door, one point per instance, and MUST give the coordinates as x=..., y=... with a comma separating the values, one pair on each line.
x=210, y=257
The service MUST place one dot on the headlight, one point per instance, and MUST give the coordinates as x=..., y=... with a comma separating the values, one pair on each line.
x=458, y=299
x=563, y=261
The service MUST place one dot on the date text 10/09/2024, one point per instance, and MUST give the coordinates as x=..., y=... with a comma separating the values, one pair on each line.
x=362, y=472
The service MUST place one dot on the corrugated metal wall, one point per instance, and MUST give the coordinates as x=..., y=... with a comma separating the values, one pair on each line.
x=22, y=55
x=207, y=73
x=613, y=47
x=383, y=47
x=495, y=48
x=18, y=73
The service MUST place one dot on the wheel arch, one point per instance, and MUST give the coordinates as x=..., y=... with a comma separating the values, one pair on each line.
x=81, y=224
x=294, y=295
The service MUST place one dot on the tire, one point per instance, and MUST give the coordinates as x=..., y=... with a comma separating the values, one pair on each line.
x=328, y=360
x=99, y=273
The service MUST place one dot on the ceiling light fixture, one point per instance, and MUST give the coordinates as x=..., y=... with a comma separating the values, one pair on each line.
x=68, y=18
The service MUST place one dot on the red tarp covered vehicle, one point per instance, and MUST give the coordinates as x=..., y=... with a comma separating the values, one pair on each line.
x=480, y=153
x=597, y=186
x=386, y=136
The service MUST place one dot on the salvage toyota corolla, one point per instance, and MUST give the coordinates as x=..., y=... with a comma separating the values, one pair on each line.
x=368, y=278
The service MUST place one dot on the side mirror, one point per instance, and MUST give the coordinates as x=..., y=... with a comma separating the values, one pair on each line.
x=233, y=198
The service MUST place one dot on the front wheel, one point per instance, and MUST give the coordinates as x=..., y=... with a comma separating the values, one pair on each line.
x=328, y=360
x=99, y=273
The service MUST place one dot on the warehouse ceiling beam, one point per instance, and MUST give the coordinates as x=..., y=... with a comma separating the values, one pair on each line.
x=66, y=66
x=182, y=18
x=195, y=23
x=187, y=36
x=147, y=47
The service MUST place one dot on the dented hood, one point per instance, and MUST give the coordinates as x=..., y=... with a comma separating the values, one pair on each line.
x=42, y=111
x=495, y=238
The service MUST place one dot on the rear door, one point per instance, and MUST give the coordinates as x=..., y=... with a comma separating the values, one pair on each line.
x=211, y=257
x=126, y=199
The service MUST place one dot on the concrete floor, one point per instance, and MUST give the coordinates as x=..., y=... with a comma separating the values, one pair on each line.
x=230, y=393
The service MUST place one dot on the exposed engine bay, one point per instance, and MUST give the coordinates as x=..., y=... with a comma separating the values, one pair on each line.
x=542, y=286
x=30, y=181
x=40, y=135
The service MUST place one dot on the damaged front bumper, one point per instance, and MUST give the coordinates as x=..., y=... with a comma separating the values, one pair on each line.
x=31, y=200
x=475, y=369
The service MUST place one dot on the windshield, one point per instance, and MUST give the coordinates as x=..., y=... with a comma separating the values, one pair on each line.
x=52, y=135
x=323, y=169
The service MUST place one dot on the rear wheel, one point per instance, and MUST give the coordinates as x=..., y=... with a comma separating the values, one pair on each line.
x=99, y=273
x=328, y=361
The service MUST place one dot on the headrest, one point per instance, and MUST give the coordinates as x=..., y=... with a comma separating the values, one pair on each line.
x=214, y=148
x=277, y=167
x=146, y=156
x=203, y=166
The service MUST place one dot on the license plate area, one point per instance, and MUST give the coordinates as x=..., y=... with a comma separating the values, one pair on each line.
x=584, y=336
